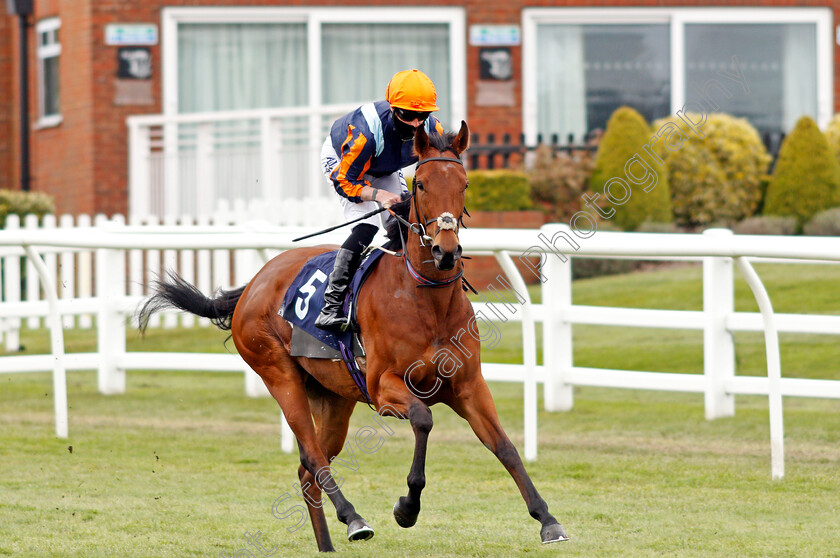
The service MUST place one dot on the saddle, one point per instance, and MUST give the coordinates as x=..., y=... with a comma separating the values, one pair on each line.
x=303, y=302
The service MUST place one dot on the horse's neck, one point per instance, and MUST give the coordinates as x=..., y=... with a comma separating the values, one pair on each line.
x=440, y=300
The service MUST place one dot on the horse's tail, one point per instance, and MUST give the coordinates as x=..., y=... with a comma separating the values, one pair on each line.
x=177, y=293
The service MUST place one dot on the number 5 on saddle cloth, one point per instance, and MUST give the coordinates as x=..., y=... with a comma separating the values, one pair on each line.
x=303, y=302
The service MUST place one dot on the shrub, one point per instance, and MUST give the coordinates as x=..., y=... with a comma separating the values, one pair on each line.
x=832, y=134
x=718, y=177
x=585, y=268
x=498, y=190
x=23, y=203
x=650, y=227
x=766, y=225
x=626, y=134
x=824, y=223
x=559, y=181
x=806, y=179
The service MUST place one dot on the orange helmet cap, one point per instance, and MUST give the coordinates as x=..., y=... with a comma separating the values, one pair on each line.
x=412, y=90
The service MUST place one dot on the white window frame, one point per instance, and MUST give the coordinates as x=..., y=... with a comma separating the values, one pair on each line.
x=42, y=52
x=314, y=18
x=677, y=18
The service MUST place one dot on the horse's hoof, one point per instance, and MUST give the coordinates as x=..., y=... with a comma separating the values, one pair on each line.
x=553, y=533
x=359, y=530
x=404, y=518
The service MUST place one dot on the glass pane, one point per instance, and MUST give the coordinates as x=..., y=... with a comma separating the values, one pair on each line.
x=587, y=71
x=779, y=63
x=241, y=66
x=360, y=59
x=51, y=101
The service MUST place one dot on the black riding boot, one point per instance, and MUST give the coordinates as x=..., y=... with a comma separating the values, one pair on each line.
x=332, y=316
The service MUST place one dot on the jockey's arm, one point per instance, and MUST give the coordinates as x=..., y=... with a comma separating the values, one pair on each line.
x=349, y=175
x=369, y=193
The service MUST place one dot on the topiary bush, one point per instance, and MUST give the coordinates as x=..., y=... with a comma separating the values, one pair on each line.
x=24, y=203
x=806, y=179
x=824, y=223
x=498, y=190
x=716, y=178
x=626, y=134
x=766, y=225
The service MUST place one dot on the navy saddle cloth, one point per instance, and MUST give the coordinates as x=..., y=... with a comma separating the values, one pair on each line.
x=305, y=298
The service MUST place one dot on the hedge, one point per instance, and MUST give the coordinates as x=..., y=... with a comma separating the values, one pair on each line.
x=24, y=203
x=498, y=190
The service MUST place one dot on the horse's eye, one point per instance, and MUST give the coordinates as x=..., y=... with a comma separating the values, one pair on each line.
x=467, y=186
x=418, y=185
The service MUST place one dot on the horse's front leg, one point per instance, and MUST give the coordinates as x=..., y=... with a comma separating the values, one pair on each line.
x=475, y=404
x=393, y=395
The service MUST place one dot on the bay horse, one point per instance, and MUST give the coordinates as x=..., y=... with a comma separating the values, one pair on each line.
x=404, y=329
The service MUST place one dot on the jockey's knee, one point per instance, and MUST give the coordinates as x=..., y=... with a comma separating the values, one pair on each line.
x=360, y=238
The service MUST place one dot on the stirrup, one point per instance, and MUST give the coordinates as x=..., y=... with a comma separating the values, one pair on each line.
x=337, y=324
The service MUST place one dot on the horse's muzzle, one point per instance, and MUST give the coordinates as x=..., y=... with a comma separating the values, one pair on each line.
x=446, y=260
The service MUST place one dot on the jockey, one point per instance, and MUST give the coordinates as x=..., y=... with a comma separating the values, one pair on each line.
x=363, y=159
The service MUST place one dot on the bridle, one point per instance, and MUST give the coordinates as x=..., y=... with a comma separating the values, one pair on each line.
x=446, y=221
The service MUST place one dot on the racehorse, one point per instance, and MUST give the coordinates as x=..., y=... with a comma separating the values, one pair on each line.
x=405, y=331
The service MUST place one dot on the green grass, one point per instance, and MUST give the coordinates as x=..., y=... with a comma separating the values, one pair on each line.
x=183, y=464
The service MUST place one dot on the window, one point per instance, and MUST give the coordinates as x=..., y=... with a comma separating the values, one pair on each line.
x=245, y=58
x=778, y=60
x=581, y=64
x=591, y=70
x=263, y=86
x=48, y=52
x=379, y=51
x=230, y=66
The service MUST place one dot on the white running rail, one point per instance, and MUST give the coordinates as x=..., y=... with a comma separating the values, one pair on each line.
x=124, y=254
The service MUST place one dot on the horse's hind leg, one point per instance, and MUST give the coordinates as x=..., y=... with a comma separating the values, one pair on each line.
x=393, y=393
x=476, y=405
x=331, y=414
x=284, y=380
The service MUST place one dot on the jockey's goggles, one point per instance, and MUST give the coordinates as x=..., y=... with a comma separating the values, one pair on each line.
x=410, y=115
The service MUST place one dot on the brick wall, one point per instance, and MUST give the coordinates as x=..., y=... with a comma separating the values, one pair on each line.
x=8, y=91
x=110, y=172
x=483, y=270
x=63, y=155
x=83, y=162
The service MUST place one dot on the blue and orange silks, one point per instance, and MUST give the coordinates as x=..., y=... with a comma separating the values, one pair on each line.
x=367, y=142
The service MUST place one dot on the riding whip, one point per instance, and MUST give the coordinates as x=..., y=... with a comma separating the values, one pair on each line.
x=365, y=216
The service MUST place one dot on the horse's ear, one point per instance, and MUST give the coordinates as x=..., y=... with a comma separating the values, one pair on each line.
x=421, y=140
x=462, y=141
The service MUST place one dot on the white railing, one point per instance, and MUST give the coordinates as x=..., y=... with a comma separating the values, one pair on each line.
x=202, y=254
x=73, y=268
x=188, y=164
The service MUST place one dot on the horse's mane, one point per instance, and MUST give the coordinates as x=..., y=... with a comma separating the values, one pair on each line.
x=441, y=142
